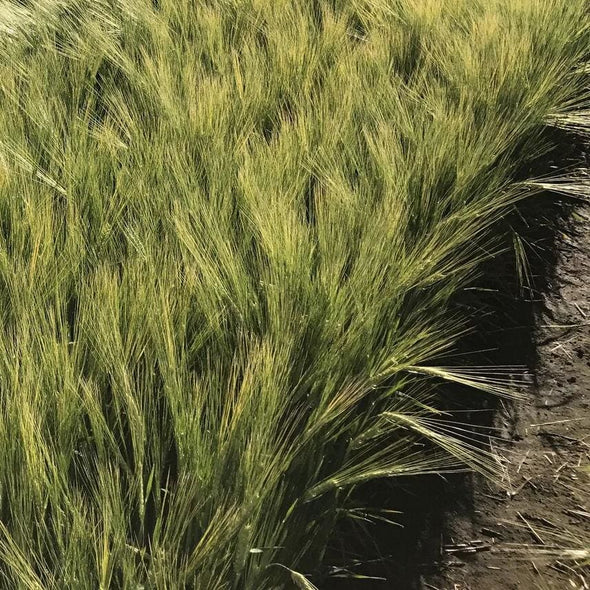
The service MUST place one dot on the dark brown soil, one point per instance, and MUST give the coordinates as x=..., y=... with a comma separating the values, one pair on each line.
x=511, y=535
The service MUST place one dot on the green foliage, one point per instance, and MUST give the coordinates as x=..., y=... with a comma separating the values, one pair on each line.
x=229, y=234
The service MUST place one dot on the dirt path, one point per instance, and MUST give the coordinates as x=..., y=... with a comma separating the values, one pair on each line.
x=462, y=532
x=498, y=539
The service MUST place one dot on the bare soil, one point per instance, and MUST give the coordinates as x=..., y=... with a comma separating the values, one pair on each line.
x=511, y=535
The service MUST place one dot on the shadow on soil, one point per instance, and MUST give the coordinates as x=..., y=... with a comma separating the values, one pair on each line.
x=398, y=557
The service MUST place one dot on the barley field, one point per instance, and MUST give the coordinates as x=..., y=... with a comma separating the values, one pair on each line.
x=229, y=234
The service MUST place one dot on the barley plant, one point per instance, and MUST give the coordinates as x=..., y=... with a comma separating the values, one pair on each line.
x=230, y=231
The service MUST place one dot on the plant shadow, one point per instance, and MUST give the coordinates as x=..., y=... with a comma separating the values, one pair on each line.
x=505, y=302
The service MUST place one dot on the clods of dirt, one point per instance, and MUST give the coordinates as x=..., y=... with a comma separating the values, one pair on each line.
x=531, y=528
